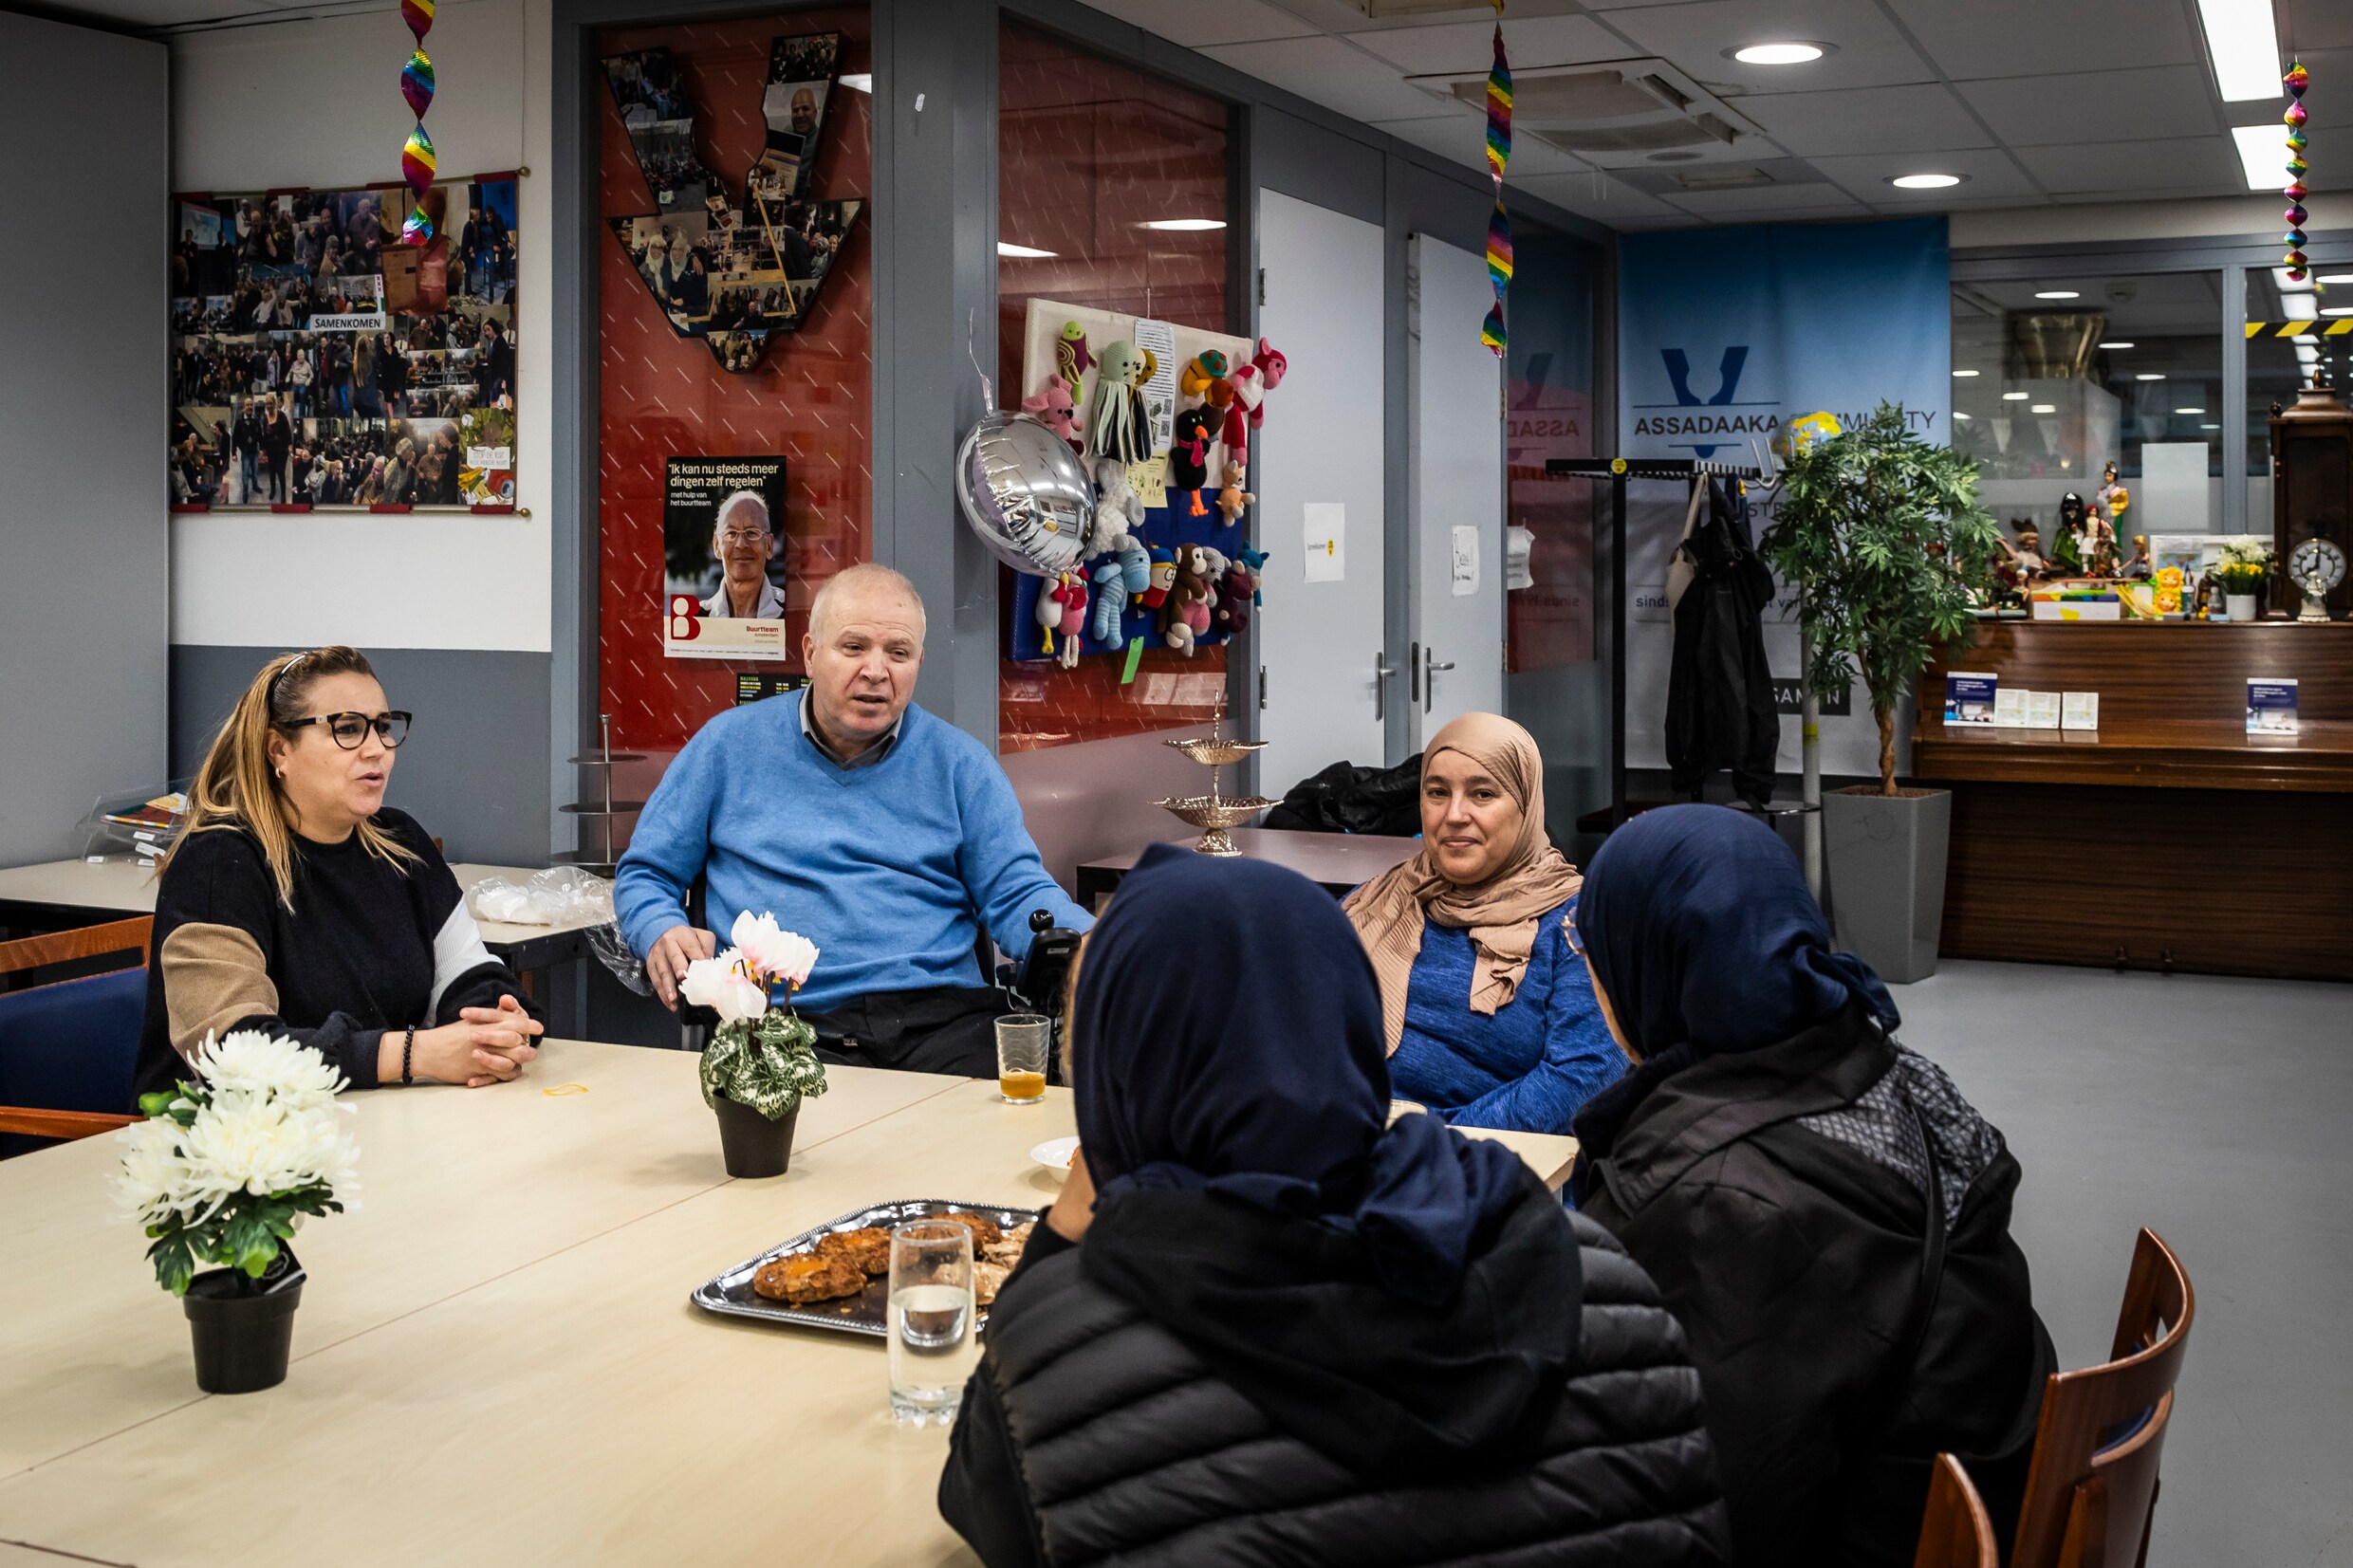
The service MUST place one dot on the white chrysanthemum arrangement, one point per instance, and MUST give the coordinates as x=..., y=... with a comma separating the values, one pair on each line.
x=762, y=1056
x=225, y=1167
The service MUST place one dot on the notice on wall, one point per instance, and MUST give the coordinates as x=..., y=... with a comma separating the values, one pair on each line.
x=1464, y=574
x=1327, y=543
x=723, y=574
x=1158, y=339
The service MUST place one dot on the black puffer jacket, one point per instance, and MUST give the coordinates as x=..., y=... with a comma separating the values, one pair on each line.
x=1782, y=1199
x=1095, y=1432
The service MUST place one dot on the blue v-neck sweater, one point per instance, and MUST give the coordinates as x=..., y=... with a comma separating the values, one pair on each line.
x=889, y=869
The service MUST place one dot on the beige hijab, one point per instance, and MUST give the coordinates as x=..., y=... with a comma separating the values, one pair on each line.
x=1500, y=914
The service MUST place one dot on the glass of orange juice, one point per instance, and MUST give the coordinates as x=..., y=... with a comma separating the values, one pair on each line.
x=1021, y=1058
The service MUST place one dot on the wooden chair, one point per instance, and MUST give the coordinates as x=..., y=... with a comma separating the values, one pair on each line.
x=1956, y=1532
x=2091, y=1491
x=127, y=938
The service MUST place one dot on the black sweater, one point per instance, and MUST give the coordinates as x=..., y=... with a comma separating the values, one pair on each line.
x=368, y=946
x=1201, y=1382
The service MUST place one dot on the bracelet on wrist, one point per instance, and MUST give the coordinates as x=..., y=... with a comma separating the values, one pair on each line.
x=408, y=1051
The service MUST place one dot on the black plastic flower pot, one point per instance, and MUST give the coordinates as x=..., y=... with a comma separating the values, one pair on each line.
x=752, y=1144
x=243, y=1340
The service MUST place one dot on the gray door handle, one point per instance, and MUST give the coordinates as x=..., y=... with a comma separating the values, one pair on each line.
x=1430, y=665
x=1382, y=670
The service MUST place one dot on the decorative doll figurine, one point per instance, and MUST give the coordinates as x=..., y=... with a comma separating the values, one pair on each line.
x=2139, y=567
x=2067, y=549
x=2113, y=499
x=2025, y=561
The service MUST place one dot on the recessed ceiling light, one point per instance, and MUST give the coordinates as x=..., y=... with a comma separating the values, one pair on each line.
x=2335, y=277
x=1925, y=182
x=1963, y=374
x=1958, y=415
x=2262, y=155
x=861, y=82
x=2015, y=396
x=2058, y=294
x=1185, y=225
x=1020, y=253
x=1791, y=53
x=2299, y=307
x=2243, y=42
x=2044, y=408
x=2188, y=411
x=2148, y=375
x=2339, y=310
x=2210, y=427
x=2120, y=344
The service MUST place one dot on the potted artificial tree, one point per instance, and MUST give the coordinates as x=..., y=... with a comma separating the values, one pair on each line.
x=1881, y=532
x=222, y=1171
x=761, y=1059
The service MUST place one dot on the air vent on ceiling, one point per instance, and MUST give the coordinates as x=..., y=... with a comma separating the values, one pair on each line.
x=1722, y=177
x=1626, y=107
x=1382, y=11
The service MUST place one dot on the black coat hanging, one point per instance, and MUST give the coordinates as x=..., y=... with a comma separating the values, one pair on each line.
x=1720, y=708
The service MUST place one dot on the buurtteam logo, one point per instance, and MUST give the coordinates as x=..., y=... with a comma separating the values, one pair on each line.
x=725, y=266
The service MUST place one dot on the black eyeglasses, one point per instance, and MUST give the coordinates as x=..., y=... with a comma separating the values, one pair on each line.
x=349, y=730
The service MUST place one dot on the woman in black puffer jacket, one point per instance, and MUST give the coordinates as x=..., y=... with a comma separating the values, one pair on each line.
x=1283, y=1334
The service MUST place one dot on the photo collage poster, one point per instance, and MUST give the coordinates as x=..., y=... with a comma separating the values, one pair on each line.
x=732, y=266
x=723, y=562
x=317, y=360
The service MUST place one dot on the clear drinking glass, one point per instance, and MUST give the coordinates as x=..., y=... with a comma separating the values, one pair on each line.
x=1021, y=1057
x=933, y=1349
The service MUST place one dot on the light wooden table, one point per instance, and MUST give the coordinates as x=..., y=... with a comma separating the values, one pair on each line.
x=496, y=1359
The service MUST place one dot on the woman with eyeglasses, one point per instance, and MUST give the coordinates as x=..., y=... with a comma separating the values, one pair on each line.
x=295, y=901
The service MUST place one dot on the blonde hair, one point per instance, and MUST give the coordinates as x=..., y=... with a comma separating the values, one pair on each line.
x=236, y=786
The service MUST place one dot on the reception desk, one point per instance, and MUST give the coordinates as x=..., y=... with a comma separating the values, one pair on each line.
x=2169, y=837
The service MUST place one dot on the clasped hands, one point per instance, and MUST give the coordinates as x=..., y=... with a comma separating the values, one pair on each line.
x=486, y=1046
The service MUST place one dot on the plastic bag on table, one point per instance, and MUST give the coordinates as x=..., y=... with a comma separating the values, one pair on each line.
x=563, y=895
x=1346, y=799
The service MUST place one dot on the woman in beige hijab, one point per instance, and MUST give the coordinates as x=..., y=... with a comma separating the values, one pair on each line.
x=1491, y=1018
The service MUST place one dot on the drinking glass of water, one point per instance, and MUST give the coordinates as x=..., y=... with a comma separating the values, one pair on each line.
x=933, y=1349
x=1021, y=1057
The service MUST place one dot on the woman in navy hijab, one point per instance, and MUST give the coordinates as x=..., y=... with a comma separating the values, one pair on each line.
x=1825, y=1214
x=1285, y=1331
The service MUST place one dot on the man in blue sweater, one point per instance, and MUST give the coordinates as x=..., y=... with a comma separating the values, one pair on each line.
x=883, y=835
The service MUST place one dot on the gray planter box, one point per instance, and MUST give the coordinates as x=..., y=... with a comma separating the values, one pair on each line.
x=1886, y=858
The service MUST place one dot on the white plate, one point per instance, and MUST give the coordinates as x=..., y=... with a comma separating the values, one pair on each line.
x=1055, y=1155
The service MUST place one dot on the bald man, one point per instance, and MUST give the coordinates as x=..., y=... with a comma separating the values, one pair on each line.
x=885, y=836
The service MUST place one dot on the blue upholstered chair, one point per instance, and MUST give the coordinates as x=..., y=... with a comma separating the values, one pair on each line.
x=68, y=1049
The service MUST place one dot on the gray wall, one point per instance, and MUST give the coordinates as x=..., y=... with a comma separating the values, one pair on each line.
x=474, y=770
x=85, y=597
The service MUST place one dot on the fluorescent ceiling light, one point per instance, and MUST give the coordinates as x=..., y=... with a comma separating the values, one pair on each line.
x=2148, y=375
x=1020, y=253
x=1777, y=54
x=863, y=82
x=1185, y=225
x=1925, y=182
x=1958, y=415
x=2058, y=294
x=2339, y=310
x=2210, y=427
x=2299, y=307
x=2243, y=44
x=2044, y=408
x=2120, y=344
x=2287, y=284
x=2188, y=411
x=2262, y=155
x=1963, y=374
x=2015, y=396
x=2335, y=277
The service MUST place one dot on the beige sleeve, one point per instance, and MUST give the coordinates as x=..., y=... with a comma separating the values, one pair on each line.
x=214, y=976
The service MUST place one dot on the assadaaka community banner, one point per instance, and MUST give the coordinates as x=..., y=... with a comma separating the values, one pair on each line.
x=1726, y=338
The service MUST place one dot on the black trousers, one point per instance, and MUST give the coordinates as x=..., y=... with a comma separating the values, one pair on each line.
x=938, y=1029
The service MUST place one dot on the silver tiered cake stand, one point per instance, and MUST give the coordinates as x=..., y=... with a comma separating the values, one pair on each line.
x=1215, y=811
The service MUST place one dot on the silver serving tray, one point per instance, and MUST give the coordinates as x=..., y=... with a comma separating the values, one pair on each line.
x=863, y=1313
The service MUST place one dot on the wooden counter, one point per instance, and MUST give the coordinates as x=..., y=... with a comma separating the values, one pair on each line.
x=2169, y=837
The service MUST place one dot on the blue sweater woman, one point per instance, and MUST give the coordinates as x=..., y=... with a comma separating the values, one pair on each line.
x=1528, y=1066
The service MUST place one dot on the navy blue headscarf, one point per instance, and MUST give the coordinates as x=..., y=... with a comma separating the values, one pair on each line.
x=1696, y=922
x=1227, y=1035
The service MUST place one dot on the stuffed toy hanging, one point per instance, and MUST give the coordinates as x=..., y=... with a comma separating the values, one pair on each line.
x=1200, y=372
x=1109, y=584
x=1232, y=498
x=1255, y=562
x=1237, y=588
x=1071, y=595
x=1163, y=578
x=1117, y=505
x=1053, y=409
x=1049, y=613
x=1117, y=425
x=1134, y=567
x=1249, y=389
x=1071, y=360
x=1272, y=367
x=1188, y=460
x=1185, y=613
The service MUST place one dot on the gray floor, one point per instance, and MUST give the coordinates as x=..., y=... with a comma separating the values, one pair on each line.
x=2216, y=1111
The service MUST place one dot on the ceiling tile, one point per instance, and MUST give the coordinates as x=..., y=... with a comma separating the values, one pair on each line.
x=2332, y=104
x=1983, y=38
x=1461, y=137
x=1988, y=173
x=162, y=13
x=1921, y=118
x=1871, y=52
x=1470, y=45
x=1197, y=23
x=2319, y=25
x=1815, y=199
x=1338, y=75
x=2131, y=105
x=2189, y=166
x=1603, y=200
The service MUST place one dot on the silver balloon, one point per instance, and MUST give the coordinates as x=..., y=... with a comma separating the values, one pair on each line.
x=1025, y=494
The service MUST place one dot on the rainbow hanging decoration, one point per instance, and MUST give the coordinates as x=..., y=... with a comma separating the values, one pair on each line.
x=416, y=156
x=1492, y=331
x=2295, y=82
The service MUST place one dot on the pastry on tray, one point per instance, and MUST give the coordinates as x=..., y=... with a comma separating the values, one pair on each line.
x=987, y=1277
x=804, y=1277
x=1007, y=1249
x=984, y=1232
x=866, y=1249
